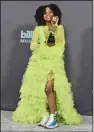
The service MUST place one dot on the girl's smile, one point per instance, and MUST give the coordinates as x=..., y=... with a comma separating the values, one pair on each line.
x=48, y=14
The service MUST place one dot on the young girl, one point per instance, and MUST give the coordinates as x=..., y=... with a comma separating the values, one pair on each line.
x=46, y=97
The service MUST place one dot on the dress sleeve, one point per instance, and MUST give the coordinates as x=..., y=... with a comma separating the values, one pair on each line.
x=60, y=36
x=34, y=42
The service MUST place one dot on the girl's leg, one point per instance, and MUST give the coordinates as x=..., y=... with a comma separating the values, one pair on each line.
x=49, y=90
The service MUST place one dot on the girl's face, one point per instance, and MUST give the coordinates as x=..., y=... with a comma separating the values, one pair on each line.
x=48, y=14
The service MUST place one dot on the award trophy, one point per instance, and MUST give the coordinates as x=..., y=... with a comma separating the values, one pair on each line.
x=52, y=28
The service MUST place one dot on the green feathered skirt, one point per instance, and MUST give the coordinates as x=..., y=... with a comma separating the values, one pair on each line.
x=33, y=100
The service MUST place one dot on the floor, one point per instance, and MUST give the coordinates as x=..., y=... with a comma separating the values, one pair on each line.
x=8, y=125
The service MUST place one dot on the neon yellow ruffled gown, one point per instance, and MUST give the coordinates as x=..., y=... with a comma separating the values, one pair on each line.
x=46, y=63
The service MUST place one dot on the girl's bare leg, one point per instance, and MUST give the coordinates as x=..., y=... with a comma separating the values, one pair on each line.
x=49, y=89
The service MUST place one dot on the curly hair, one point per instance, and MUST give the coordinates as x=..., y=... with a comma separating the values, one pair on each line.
x=41, y=10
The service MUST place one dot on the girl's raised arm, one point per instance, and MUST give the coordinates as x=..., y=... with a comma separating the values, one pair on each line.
x=61, y=35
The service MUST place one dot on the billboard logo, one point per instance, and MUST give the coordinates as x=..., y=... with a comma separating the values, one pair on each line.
x=26, y=37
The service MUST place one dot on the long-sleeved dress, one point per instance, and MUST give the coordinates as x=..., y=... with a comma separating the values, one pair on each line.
x=46, y=63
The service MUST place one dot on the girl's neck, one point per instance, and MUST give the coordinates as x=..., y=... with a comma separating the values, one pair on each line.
x=48, y=23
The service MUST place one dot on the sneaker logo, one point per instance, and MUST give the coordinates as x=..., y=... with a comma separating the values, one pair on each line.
x=53, y=123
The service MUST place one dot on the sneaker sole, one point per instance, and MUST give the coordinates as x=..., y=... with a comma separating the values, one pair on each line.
x=51, y=127
x=40, y=125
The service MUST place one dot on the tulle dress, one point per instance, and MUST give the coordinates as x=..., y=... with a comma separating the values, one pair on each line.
x=46, y=63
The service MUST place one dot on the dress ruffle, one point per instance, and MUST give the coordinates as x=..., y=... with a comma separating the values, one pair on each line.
x=33, y=101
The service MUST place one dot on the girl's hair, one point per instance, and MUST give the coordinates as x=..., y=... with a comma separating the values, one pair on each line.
x=41, y=10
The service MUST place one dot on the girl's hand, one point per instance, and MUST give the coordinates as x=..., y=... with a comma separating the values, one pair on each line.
x=55, y=20
x=54, y=24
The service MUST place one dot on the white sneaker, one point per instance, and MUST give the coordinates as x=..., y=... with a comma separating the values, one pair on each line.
x=51, y=124
x=43, y=121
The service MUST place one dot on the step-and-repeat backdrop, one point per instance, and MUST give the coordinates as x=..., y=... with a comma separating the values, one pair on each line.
x=17, y=24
